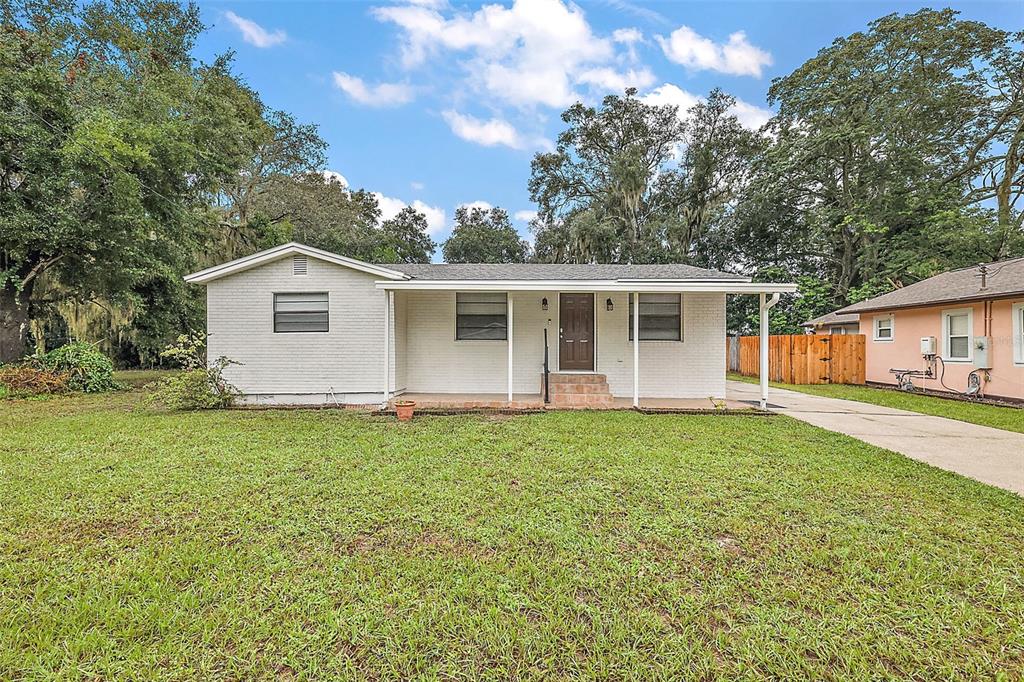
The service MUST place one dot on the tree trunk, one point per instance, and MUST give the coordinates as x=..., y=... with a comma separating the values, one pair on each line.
x=14, y=327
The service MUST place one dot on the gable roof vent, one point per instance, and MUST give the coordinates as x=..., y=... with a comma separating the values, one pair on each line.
x=300, y=265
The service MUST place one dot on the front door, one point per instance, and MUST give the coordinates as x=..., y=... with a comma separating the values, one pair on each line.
x=576, y=321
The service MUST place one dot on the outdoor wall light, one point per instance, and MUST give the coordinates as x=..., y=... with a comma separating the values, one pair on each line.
x=609, y=306
x=544, y=303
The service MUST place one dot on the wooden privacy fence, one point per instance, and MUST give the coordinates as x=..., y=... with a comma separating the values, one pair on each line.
x=801, y=359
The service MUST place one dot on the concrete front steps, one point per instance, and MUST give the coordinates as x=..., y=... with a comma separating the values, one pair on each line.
x=578, y=391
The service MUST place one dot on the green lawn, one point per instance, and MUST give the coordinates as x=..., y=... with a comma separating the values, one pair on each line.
x=327, y=544
x=1008, y=418
x=136, y=378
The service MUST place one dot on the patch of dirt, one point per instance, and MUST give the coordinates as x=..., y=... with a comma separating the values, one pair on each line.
x=729, y=545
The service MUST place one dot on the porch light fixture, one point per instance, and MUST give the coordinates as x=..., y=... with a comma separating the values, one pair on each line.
x=544, y=303
x=609, y=306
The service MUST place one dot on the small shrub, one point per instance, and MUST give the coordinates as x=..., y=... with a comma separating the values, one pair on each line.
x=86, y=367
x=25, y=380
x=200, y=386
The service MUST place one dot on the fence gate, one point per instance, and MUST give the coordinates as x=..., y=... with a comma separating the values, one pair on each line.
x=803, y=358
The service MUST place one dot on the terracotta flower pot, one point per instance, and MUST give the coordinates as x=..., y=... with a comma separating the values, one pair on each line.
x=404, y=408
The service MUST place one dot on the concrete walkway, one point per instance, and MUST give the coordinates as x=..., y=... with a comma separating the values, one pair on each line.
x=988, y=455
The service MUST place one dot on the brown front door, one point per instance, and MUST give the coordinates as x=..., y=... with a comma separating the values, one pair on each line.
x=576, y=320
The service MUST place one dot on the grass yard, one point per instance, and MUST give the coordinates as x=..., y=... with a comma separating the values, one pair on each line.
x=327, y=544
x=1008, y=418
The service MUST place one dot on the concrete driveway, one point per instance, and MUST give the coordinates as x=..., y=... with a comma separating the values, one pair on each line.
x=988, y=455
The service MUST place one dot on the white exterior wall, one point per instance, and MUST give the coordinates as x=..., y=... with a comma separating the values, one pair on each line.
x=296, y=368
x=300, y=367
x=437, y=363
x=691, y=368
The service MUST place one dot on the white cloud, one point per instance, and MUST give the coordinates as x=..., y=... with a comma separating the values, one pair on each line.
x=627, y=36
x=526, y=54
x=330, y=175
x=482, y=205
x=671, y=94
x=390, y=206
x=737, y=57
x=418, y=186
x=610, y=80
x=750, y=115
x=253, y=33
x=524, y=216
x=379, y=95
x=488, y=133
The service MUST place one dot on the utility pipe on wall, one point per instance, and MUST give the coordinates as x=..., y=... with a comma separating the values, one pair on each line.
x=764, y=307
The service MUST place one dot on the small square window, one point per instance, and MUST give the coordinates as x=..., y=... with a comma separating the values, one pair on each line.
x=1018, y=333
x=884, y=328
x=956, y=325
x=661, y=317
x=481, y=316
x=305, y=312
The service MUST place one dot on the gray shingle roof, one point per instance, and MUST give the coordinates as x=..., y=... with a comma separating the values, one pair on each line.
x=1005, y=278
x=832, y=318
x=550, y=271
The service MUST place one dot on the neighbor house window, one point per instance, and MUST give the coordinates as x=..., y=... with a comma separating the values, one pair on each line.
x=481, y=316
x=1018, y=333
x=884, y=328
x=306, y=312
x=661, y=317
x=956, y=332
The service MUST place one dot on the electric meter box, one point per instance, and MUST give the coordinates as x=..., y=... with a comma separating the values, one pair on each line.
x=982, y=354
x=927, y=345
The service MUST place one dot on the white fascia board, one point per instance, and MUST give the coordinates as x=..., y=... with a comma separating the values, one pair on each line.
x=719, y=286
x=256, y=259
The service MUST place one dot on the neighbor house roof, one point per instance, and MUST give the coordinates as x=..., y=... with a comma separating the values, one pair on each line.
x=549, y=271
x=1003, y=279
x=833, y=318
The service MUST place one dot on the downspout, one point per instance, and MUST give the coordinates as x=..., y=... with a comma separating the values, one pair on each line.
x=763, y=354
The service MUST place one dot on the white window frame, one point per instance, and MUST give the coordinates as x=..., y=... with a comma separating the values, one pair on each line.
x=1018, y=333
x=455, y=318
x=629, y=320
x=892, y=328
x=277, y=295
x=946, y=314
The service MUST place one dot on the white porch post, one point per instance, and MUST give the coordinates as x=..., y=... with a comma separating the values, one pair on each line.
x=762, y=371
x=636, y=349
x=510, y=299
x=388, y=299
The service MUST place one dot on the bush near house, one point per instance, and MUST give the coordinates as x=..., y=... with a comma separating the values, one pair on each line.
x=77, y=366
x=22, y=380
x=201, y=386
x=87, y=369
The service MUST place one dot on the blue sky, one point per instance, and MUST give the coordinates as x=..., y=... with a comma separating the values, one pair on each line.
x=437, y=104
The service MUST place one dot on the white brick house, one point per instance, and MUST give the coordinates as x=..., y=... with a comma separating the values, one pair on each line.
x=313, y=327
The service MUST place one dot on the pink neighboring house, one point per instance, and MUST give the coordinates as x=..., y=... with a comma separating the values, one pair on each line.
x=960, y=322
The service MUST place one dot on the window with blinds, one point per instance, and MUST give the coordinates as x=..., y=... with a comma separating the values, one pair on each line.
x=305, y=312
x=661, y=317
x=958, y=335
x=481, y=316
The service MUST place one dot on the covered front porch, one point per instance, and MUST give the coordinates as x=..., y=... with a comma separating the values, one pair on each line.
x=501, y=345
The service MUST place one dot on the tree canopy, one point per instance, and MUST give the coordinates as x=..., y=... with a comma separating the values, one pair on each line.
x=484, y=236
x=894, y=153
